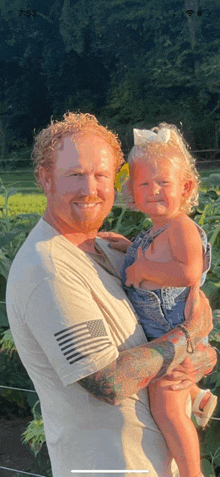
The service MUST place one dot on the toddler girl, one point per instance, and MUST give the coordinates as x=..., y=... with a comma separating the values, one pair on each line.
x=159, y=267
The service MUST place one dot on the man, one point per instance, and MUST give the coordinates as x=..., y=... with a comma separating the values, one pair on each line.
x=73, y=325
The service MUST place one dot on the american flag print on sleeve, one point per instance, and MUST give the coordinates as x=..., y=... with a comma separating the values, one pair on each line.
x=81, y=340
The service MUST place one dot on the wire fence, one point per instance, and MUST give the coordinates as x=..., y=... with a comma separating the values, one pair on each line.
x=209, y=156
x=21, y=472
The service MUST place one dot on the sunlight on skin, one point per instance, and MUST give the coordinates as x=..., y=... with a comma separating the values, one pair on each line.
x=82, y=175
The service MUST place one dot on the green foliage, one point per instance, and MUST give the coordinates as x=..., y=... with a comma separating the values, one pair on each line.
x=34, y=434
x=14, y=228
x=12, y=235
x=13, y=374
x=207, y=216
x=213, y=380
x=13, y=232
x=126, y=222
x=3, y=313
x=129, y=62
x=7, y=343
x=215, y=333
x=207, y=467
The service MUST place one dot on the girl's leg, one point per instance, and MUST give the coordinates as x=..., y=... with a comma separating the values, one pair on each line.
x=168, y=408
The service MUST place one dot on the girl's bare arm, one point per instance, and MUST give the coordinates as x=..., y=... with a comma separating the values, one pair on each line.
x=184, y=269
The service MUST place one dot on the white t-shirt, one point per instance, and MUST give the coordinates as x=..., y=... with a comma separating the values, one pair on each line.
x=69, y=318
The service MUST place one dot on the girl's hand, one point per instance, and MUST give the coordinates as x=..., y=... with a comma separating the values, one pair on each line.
x=117, y=241
x=134, y=273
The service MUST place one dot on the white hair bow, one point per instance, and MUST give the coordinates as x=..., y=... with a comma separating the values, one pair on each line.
x=141, y=136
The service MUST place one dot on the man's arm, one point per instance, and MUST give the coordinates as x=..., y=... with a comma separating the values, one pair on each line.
x=135, y=368
x=116, y=241
x=118, y=381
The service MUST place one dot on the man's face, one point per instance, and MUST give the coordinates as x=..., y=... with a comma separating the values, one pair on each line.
x=82, y=188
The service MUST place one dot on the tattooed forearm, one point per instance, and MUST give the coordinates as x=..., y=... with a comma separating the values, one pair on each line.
x=97, y=385
x=135, y=368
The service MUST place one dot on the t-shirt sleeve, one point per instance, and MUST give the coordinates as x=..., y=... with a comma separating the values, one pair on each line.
x=71, y=328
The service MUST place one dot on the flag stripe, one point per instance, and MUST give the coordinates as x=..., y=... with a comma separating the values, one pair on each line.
x=79, y=343
x=71, y=339
x=71, y=333
x=104, y=341
x=82, y=340
x=69, y=328
x=88, y=349
x=85, y=355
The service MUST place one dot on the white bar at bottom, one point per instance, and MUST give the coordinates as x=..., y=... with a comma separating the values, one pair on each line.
x=109, y=471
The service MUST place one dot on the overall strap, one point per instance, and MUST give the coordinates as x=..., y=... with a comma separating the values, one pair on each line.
x=159, y=231
x=148, y=239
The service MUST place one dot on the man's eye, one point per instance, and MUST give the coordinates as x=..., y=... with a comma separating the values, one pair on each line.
x=75, y=174
x=80, y=174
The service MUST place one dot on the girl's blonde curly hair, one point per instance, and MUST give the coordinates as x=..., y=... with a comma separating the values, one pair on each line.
x=43, y=154
x=175, y=150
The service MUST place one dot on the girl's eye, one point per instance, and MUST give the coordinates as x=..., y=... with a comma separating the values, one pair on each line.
x=164, y=182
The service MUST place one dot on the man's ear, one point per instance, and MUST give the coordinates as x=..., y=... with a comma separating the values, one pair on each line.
x=45, y=179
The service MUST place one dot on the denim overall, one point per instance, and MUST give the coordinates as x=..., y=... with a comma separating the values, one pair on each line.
x=162, y=309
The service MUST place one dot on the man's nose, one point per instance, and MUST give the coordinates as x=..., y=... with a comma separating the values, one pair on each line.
x=89, y=185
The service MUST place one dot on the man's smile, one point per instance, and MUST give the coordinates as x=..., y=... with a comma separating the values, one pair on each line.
x=84, y=205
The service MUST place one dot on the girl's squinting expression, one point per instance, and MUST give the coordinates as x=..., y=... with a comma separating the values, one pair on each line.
x=158, y=189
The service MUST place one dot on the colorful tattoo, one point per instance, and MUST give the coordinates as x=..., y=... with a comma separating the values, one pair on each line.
x=135, y=368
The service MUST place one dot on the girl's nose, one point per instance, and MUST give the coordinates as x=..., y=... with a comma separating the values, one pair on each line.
x=154, y=188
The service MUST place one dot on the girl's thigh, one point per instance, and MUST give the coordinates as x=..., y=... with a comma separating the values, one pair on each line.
x=164, y=399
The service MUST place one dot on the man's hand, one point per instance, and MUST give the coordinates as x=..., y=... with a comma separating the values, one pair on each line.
x=193, y=368
x=134, y=273
x=198, y=315
x=117, y=241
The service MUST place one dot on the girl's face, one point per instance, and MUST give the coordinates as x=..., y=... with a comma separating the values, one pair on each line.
x=158, y=189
